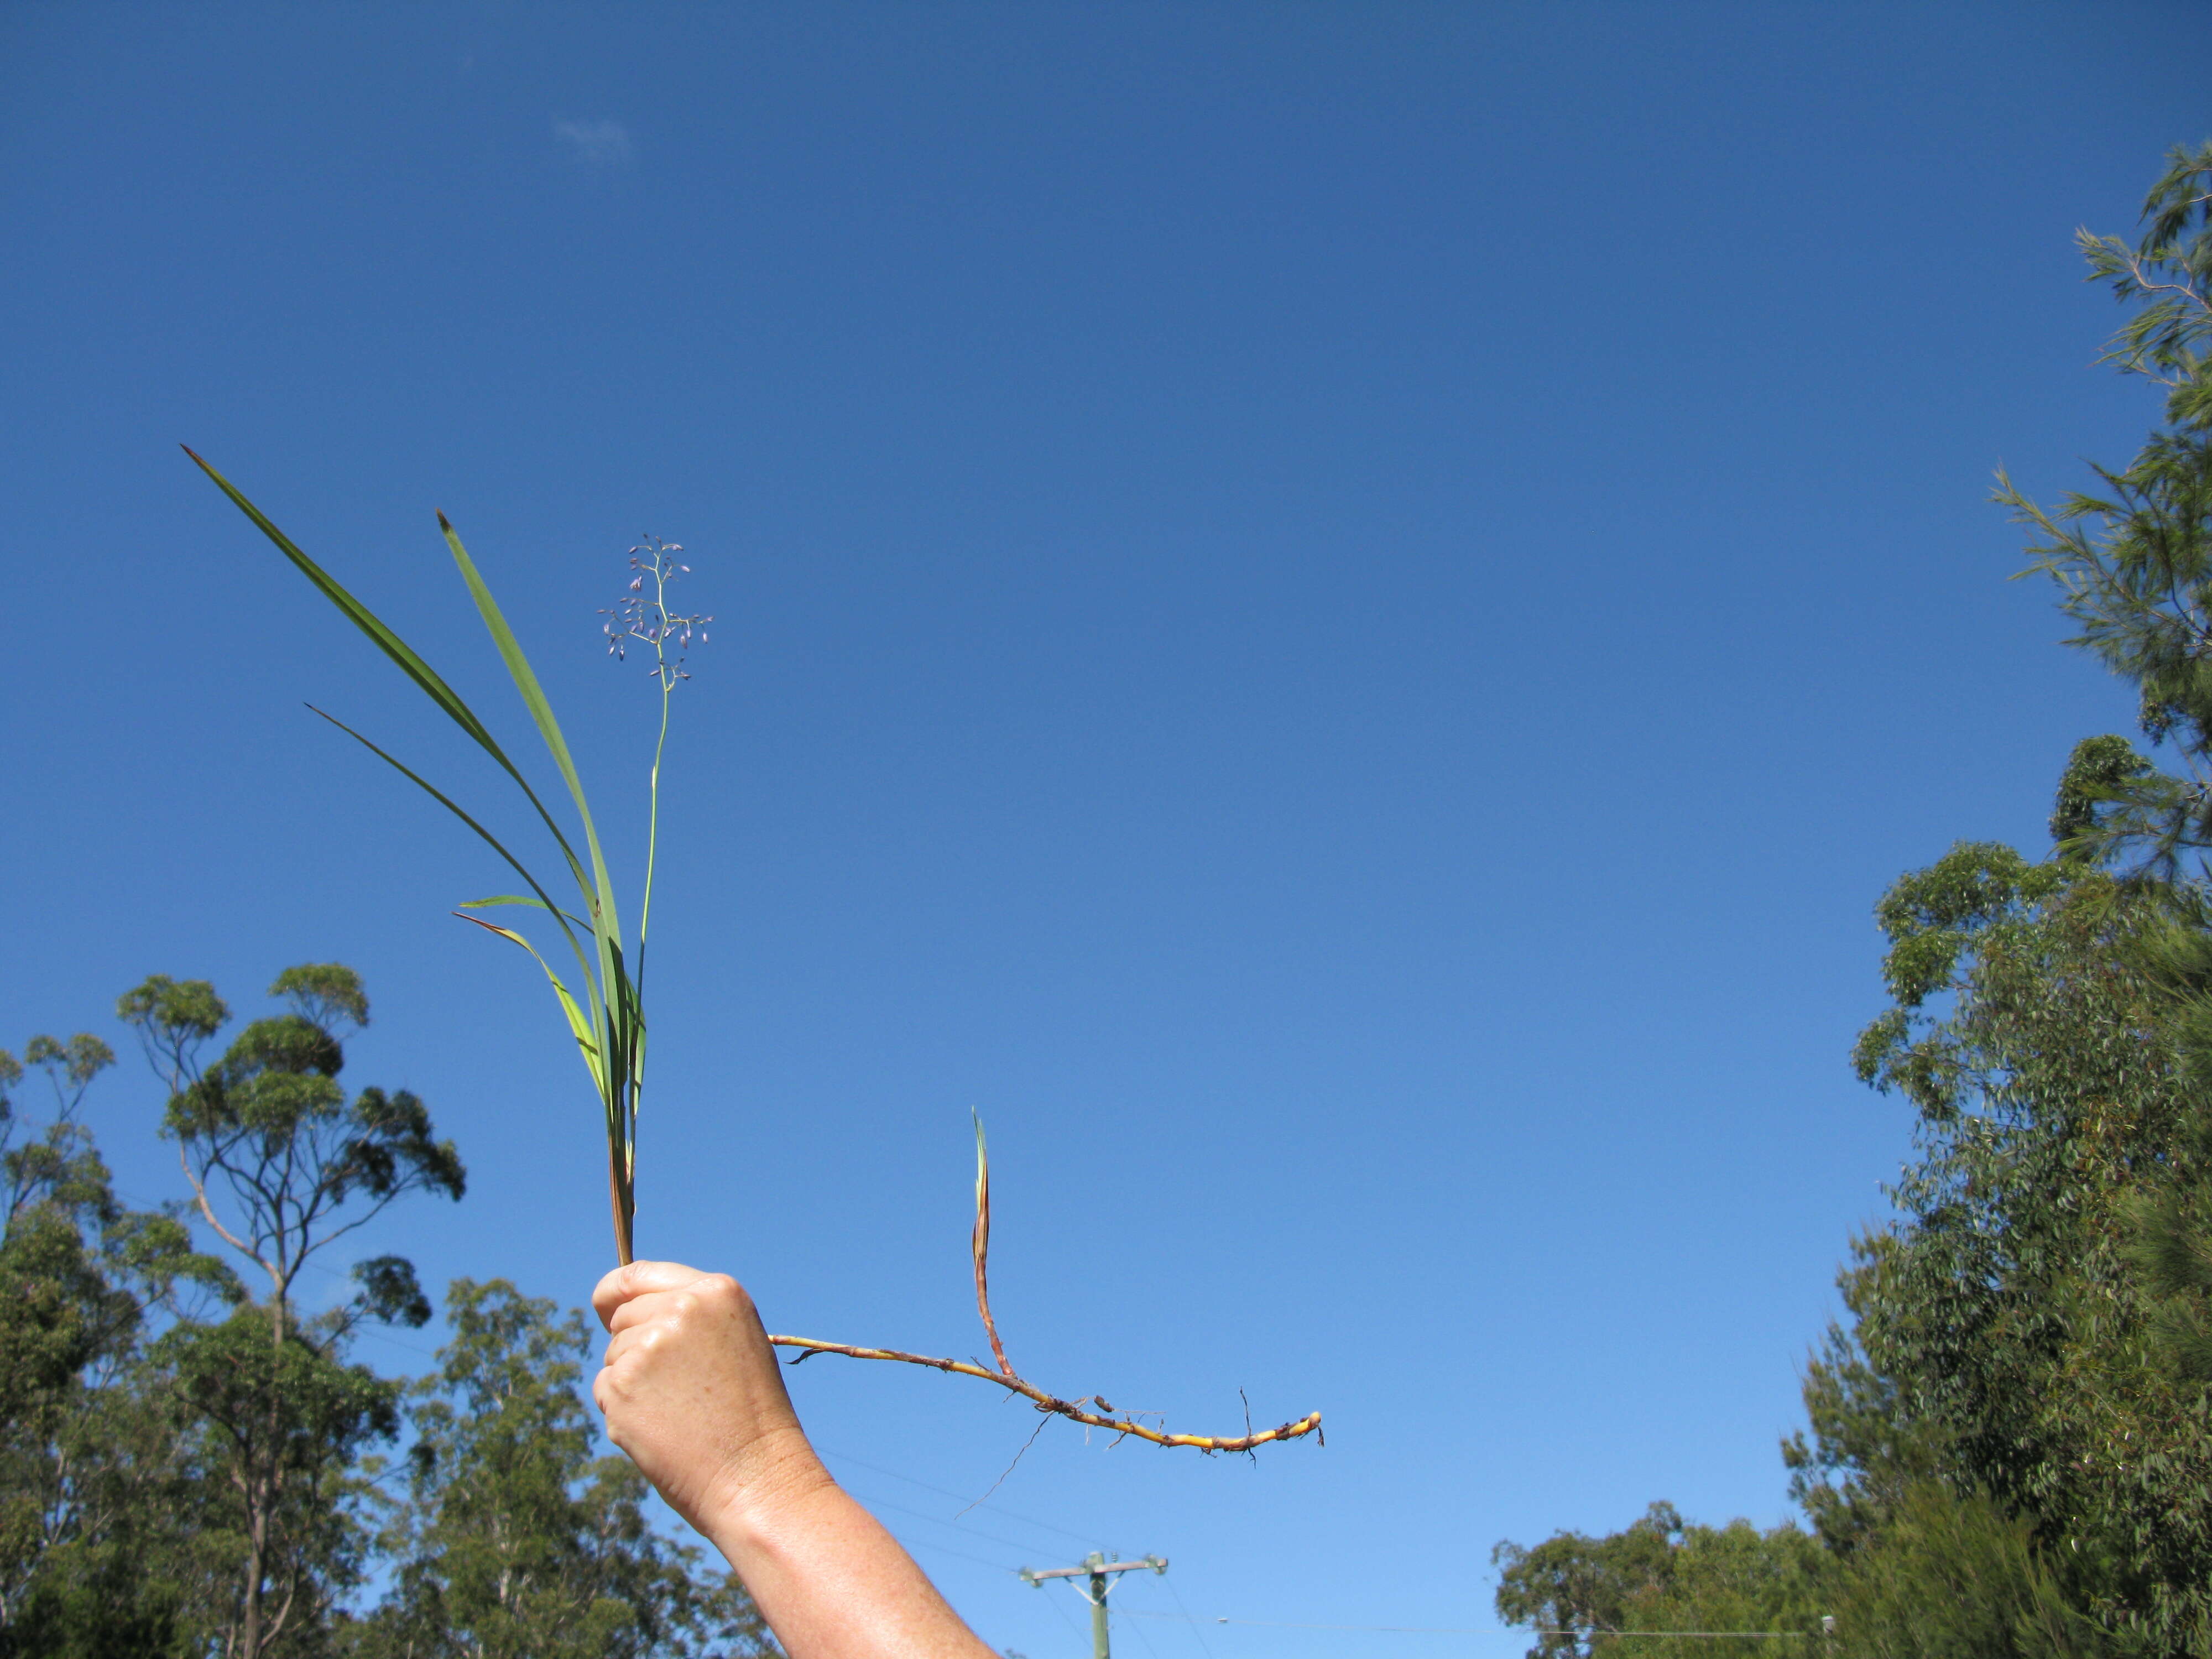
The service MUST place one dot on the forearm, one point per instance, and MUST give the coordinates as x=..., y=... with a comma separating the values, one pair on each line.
x=831, y=1583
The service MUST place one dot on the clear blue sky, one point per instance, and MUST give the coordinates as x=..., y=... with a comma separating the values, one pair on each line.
x=1333, y=614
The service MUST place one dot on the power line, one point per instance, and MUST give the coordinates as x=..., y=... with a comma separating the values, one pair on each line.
x=1145, y=1637
x=1193, y=1623
x=1472, y=1629
x=1284, y=1623
x=1066, y=1618
x=941, y=1549
x=900, y=1509
x=1027, y=1520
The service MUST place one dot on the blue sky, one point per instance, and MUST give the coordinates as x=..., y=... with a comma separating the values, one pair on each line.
x=1334, y=615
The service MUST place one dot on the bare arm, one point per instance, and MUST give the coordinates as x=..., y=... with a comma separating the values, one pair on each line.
x=692, y=1392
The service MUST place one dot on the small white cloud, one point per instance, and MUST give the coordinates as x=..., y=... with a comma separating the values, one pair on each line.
x=599, y=143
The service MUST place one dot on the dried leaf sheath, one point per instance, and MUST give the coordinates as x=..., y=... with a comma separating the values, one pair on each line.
x=980, y=1245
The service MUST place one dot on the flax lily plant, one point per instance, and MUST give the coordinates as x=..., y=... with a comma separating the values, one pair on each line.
x=608, y=1018
x=608, y=1022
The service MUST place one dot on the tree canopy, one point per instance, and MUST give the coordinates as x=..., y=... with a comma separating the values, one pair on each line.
x=192, y=1459
x=2009, y=1448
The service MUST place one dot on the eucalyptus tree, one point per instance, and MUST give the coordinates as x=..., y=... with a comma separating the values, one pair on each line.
x=2005, y=1310
x=2010, y=1439
x=86, y=1533
x=282, y=1165
x=517, y=1538
x=1662, y=1575
x=2022, y=1335
x=2133, y=557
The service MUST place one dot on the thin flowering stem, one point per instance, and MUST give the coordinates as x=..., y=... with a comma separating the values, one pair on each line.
x=646, y=620
x=651, y=835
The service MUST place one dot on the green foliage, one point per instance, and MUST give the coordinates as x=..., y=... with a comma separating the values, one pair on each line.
x=186, y=1470
x=1953, y=1577
x=1661, y=1574
x=270, y=1433
x=2002, y=1322
x=267, y=1124
x=2008, y=1450
x=608, y=1024
x=270, y=1416
x=515, y=1540
x=1572, y=1585
x=1996, y=1462
x=2133, y=561
x=2170, y=272
x=79, y=1532
x=2173, y=1248
x=1866, y=1451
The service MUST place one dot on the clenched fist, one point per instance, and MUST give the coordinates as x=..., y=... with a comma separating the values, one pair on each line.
x=692, y=1392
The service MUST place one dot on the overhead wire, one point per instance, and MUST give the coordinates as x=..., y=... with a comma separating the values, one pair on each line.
x=378, y=1335
x=1027, y=1520
x=1065, y=1617
x=1193, y=1623
x=1493, y=1630
x=1143, y=1635
x=944, y=1549
x=919, y=1515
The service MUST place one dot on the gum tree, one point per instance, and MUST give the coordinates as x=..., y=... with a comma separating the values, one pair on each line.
x=516, y=1540
x=84, y=1538
x=282, y=1165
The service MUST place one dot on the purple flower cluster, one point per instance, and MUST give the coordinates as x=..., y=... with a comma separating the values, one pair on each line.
x=642, y=614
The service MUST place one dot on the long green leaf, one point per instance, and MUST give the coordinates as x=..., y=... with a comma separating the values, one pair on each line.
x=621, y=1024
x=520, y=898
x=579, y=1027
x=411, y=663
x=611, y=1030
x=544, y=900
x=541, y=712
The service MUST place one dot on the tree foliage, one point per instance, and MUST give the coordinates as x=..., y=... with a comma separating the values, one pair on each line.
x=516, y=1540
x=84, y=1485
x=189, y=1470
x=281, y=1166
x=2009, y=1448
x=1661, y=1574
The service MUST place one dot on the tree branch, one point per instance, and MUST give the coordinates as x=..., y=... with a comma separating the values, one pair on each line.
x=207, y=1209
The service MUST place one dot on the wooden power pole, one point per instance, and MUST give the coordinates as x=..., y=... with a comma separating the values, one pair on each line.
x=1095, y=1568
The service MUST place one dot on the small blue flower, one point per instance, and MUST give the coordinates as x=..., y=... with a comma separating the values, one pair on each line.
x=647, y=619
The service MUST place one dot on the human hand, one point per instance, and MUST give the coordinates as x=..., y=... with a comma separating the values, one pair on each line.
x=692, y=1392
